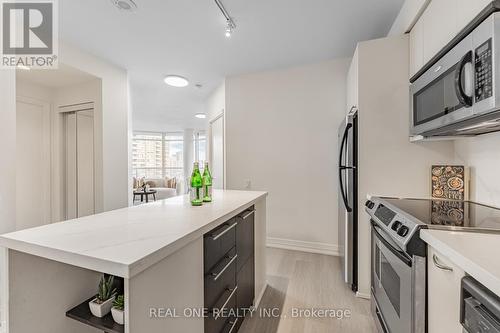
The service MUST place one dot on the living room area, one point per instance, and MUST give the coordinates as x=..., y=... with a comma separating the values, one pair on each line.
x=161, y=162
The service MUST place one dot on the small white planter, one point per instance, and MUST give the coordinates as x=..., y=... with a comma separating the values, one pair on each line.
x=100, y=310
x=118, y=315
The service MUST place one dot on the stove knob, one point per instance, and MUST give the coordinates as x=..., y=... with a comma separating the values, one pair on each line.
x=403, y=231
x=396, y=225
x=370, y=204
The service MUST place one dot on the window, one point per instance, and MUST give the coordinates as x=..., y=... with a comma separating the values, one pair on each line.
x=174, y=160
x=157, y=155
x=200, y=147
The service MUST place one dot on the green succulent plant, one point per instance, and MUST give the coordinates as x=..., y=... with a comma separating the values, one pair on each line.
x=106, y=289
x=119, y=303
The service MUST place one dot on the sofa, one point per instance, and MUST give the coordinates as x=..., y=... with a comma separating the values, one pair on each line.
x=165, y=187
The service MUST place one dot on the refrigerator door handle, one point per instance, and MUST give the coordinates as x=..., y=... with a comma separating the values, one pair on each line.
x=341, y=167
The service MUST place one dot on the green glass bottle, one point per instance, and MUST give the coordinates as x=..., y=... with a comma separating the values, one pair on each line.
x=207, y=184
x=196, y=186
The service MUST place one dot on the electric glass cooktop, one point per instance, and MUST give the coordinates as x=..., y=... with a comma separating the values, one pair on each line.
x=451, y=213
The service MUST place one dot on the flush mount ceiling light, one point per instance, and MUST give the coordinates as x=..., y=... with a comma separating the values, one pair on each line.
x=176, y=81
x=200, y=115
x=230, y=25
x=127, y=5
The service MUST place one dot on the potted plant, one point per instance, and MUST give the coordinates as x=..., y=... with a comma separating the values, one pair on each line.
x=102, y=303
x=117, y=309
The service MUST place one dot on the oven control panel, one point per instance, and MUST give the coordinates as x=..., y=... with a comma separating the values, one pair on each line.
x=483, y=71
x=394, y=224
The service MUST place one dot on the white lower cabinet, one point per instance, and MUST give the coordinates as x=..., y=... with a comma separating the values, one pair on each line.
x=444, y=279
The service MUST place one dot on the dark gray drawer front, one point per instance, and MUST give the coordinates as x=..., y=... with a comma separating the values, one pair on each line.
x=219, y=322
x=245, y=279
x=218, y=242
x=245, y=237
x=221, y=278
x=232, y=325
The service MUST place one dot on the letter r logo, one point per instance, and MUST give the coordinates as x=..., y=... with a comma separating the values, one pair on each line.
x=27, y=27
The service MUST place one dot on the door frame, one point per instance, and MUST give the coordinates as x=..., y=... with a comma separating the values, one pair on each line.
x=221, y=115
x=47, y=153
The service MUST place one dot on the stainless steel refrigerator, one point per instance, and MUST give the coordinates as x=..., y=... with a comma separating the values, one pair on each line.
x=348, y=198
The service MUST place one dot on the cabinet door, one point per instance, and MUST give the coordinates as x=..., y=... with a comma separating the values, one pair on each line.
x=246, y=285
x=416, y=47
x=440, y=23
x=245, y=237
x=443, y=294
x=468, y=10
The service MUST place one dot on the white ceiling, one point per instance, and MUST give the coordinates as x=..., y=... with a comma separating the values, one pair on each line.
x=62, y=77
x=186, y=37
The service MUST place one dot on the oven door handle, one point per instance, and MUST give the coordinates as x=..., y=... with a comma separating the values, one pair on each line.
x=464, y=99
x=400, y=254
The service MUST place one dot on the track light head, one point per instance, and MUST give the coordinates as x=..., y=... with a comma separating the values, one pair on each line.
x=229, y=28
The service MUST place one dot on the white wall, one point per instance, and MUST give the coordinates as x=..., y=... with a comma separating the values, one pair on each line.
x=389, y=165
x=281, y=135
x=215, y=107
x=8, y=160
x=482, y=155
x=216, y=103
x=116, y=169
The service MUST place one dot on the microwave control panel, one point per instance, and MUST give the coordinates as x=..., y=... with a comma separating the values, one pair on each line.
x=483, y=71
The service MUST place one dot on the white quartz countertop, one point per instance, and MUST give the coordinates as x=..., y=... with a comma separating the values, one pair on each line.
x=475, y=253
x=126, y=241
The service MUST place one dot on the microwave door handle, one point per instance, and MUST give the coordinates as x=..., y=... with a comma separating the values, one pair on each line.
x=342, y=168
x=464, y=99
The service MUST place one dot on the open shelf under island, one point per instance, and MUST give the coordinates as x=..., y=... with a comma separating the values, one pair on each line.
x=157, y=248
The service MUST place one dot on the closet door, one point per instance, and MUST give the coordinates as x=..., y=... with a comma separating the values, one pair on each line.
x=85, y=162
x=70, y=166
x=80, y=164
x=32, y=184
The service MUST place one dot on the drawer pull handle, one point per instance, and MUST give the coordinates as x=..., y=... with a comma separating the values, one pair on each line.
x=439, y=265
x=218, y=275
x=233, y=325
x=227, y=301
x=244, y=217
x=220, y=234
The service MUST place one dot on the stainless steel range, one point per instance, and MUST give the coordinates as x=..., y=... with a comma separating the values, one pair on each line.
x=399, y=255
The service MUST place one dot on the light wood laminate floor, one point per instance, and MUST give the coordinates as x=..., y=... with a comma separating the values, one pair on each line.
x=298, y=280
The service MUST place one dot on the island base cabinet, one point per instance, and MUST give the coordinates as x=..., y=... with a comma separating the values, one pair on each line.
x=246, y=289
x=230, y=277
x=443, y=294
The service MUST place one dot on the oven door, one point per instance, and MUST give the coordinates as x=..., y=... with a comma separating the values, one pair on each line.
x=391, y=283
x=445, y=93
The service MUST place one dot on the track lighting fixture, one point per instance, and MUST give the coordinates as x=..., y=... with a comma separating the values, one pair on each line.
x=230, y=25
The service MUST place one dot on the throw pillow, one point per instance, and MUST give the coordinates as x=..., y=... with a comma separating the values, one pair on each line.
x=170, y=182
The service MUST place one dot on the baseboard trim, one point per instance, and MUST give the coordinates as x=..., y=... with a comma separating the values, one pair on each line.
x=303, y=246
x=363, y=295
x=259, y=297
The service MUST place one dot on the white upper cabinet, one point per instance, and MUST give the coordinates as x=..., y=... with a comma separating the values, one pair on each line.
x=416, y=47
x=468, y=9
x=440, y=25
x=440, y=22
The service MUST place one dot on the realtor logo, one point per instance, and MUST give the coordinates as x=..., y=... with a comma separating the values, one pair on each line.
x=29, y=33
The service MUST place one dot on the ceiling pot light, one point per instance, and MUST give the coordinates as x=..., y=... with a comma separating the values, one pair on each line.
x=127, y=5
x=200, y=115
x=176, y=81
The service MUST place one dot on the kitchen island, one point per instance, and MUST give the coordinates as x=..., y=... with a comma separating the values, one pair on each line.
x=158, y=249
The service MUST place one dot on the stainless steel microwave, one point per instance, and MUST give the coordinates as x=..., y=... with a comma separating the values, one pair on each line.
x=460, y=93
